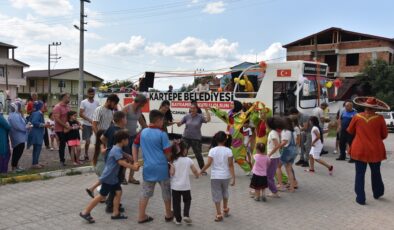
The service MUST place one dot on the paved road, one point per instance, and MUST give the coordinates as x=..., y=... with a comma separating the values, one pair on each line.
x=321, y=202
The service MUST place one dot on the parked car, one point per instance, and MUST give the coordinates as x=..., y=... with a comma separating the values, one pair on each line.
x=389, y=118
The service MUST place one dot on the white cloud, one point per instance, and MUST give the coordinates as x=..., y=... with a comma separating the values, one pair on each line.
x=191, y=48
x=134, y=46
x=214, y=8
x=45, y=7
x=274, y=53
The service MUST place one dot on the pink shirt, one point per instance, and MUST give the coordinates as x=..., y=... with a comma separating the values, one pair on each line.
x=62, y=110
x=260, y=165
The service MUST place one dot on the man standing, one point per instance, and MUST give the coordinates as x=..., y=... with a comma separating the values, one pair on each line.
x=60, y=115
x=306, y=137
x=170, y=88
x=103, y=115
x=86, y=111
x=134, y=115
x=345, y=117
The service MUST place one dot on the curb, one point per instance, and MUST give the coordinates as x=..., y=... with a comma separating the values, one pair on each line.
x=46, y=175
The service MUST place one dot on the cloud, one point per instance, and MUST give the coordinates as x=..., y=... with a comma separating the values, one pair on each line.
x=191, y=48
x=45, y=7
x=274, y=53
x=134, y=46
x=214, y=8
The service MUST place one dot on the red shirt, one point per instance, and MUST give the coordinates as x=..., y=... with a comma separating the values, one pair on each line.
x=369, y=131
x=61, y=109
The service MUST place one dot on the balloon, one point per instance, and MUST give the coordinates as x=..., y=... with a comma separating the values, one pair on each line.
x=263, y=65
x=236, y=80
x=337, y=83
x=242, y=82
x=328, y=84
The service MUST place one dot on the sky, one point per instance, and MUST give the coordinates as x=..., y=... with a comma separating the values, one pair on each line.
x=125, y=38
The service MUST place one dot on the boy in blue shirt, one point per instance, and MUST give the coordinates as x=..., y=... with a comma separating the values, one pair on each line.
x=109, y=179
x=156, y=150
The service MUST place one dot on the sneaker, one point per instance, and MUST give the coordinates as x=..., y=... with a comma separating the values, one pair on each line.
x=257, y=198
x=341, y=159
x=177, y=222
x=19, y=169
x=204, y=174
x=351, y=161
x=335, y=152
x=62, y=164
x=264, y=199
x=305, y=164
x=52, y=149
x=187, y=220
x=300, y=162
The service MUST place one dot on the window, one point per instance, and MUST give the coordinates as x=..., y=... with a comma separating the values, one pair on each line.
x=1, y=71
x=352, y=59
x=32, y=83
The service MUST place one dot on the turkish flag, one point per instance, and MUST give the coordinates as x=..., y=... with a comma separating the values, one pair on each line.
x=283, y=73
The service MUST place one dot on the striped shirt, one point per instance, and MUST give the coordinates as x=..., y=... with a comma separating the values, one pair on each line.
x=103, y=117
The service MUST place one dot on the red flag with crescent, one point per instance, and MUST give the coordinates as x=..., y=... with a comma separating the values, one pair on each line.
x=283, y=73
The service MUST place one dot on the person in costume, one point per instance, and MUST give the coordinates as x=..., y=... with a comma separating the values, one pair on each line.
x=367, y=147
x=235, y=120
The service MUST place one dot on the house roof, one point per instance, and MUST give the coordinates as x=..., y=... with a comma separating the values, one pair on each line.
x=242, y=65
x=367, y=36
x=2, y=44
x=54, y=73
x=12, y=62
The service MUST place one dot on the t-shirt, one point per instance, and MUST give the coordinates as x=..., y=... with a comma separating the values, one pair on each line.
x=61, y=109
x=318, y=143
x=273, y=135
x=109, y=134
x=73, y=134
x=260, y=165
x=181, y=181
x=103, y=117
x=346, y=118
x=51, y=129
x=319, y=113
x=220, y=169
x=111, y=169
x=132, y=120
x=193, y=126
x=88, y=110
x=286, y=135
x=154, y=143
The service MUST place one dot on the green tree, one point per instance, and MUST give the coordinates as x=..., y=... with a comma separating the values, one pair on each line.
x=378, y=78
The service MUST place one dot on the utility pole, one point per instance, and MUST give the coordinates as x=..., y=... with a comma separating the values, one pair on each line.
x=82, y=30
x=54, y=59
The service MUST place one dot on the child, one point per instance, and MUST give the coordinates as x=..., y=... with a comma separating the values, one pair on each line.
x=273, y=147
x=247, y=133
x=109, y=179
x=97, y=161
x=180, y=181
x=317, y=146
x=289, y=152
x=51, y=132
x=221, y=159
x=259, y=178
x=73, y=137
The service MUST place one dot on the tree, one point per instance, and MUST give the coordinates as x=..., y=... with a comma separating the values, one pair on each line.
x=377, y=77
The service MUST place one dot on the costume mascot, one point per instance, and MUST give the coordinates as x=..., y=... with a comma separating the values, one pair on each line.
x=235, y=119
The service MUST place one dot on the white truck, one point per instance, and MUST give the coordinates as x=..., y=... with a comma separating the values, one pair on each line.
x=299, y=84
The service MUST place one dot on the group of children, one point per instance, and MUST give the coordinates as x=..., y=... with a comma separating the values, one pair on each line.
x=281, y=151
x=283, y=144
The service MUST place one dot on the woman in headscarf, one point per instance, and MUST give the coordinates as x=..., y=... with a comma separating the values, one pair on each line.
x=18, y=134
x=367, y=147
x=36, y=135
x=4, y=143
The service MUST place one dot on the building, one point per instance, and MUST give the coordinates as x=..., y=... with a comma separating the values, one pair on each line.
x=62, y=80
x=345, y=52
x=11, y=71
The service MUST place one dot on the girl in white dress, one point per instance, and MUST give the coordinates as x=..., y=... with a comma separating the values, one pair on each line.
x=317, y=146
